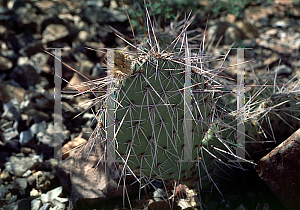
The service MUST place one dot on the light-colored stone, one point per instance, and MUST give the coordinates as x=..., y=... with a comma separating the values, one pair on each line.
x=18, y=166
x=233, y=34
x=283, y=70
x=36, y=204
x=66, y=149
x=5, y=64
x=54, y=32
x=83, y=36
x=249, y=31
x=52, y=194
x=25, y=137
x=34, y=193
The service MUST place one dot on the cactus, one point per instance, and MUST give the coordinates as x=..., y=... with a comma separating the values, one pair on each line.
x=163, y=117
x=152, y=108
x=167, y=123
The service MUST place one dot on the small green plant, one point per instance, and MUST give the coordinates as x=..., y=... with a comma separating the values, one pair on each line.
x=162, y=12
x=231, y=6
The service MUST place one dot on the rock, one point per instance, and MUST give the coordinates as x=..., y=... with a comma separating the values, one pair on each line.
x=104, y=15
x=83, y=36
x=86, y=67
x=297, y=64
x=271, y=32
x=3, y=30
x=18, y=166
x=241, y=207
x=10, y=54
x=61, y=203
x=55, y=32
x=27, y=173
x=31, y=180
x=280, y=170
x=233, y=34
x=72, y=144
x=249, y=31
x=159, y=194
x=90, y=118
x=47, y=137
x=46, y=7
x=26, y=150
x=24, y=42
x=283, y=23
x=42, y=181
x=46, y=206
x=23, y=60
x=40, y=60
x=38, y=127
x=283, y=70
x=19, y=185
x=34, y=193
x=52, y=194
x=271, y=61
x=98, y=71
x=86, y=132
x=102, y=184
x=37, y=116
x=160, y=205
x=5, y=64
x=216, y=32
x=9, y=134
x=75, y=80
x=8, y=92
x=4, y=96
x=255, y=13
x=230, y=18
x=10, y=198
x=23, y=204
x=15, y=4
x=51, y=163
x=31, y=48
x=25, y=138
x=26, y=75
x=36, y=204
x=11, y=111
x=40, y=98
x=3, y=191
x=13, y=145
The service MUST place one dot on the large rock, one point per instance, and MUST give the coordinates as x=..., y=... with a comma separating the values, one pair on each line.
x=280, y=170
x=90, y=185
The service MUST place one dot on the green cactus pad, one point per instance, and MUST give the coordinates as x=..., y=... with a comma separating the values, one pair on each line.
x=151, y=136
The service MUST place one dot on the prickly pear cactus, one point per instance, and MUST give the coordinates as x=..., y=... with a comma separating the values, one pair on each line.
x=152, y=139
x=165, y=116
x=166, y=123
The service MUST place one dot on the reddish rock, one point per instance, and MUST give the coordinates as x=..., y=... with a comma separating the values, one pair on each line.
x=89, y=184
x=280, y=170
x=67, y=148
